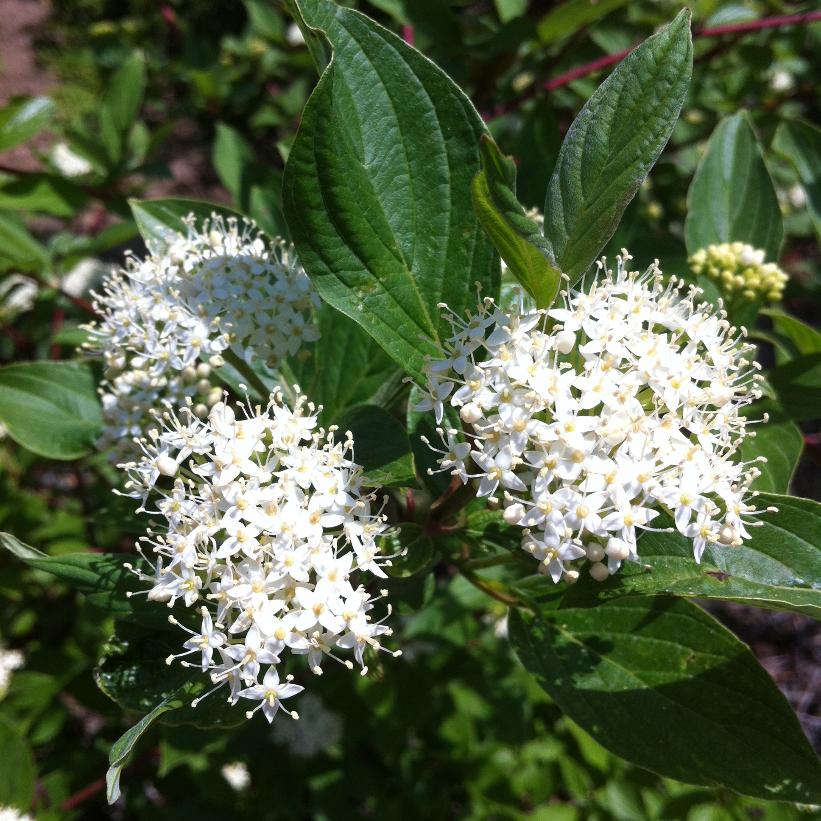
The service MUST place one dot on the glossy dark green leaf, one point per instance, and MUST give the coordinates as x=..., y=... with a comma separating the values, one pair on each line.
x=345, y=367
x=381, y=446
x=17, y=771
x=377, y=187
x=517, y=238
x=134, y=673
x=161, y=221
x=661, y=683
x=51, y=408
x=800, y=143
x=102, y=577
x=612, y=145
x=777, y=568
x=411, y=550
x=779, y=440
x=798, y=387
x=22, y=118
x=732, y=198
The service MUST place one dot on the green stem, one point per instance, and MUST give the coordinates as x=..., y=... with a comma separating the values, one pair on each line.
x=491, y=561
x=263, y=391
x=488, y=587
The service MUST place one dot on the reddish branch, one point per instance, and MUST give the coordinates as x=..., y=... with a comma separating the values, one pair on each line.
x=610, y=59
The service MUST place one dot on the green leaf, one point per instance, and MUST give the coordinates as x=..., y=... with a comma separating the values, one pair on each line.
x=17, y=772
x=346, y=368
x=233, y=158
x=377, y=187
x=612, y=145
x=777, y=568
x=103, y=578
x=510, y=9
x=51, y=408
x=798, y=387
x=160, y=222
x=661, y=683
x=19, y=247
x=517, y=238
x=800, y=143
x=573, y=15
x=804, y=337
x=381, y=446
x=732, y=198
x=22, y=118
x=123, y=747
x=41, y=193
x=411, y=548
x=779, y=440
x=133, y=672
x=124, y=94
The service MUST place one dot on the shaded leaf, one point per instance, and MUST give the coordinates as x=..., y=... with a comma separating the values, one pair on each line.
x=661, y=683
x=381, y=446
x=779, y=440
x=798, y=387
x=17, y=772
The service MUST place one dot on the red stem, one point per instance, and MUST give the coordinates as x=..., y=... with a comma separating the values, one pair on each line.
x=610, y=59
x=81, y=796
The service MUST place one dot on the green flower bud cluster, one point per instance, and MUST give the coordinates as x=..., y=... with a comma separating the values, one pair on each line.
x=739, y=270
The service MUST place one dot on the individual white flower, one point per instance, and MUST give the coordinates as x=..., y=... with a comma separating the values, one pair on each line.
x=593, y=417
x=270, y=535
x=10, y=660
x=237, y=775
x=17, y=295
x=168, y=319
x=69, y=163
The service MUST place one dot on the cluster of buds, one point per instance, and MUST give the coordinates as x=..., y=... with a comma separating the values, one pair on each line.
x=267, y=530
x=591, y=419
x=738, y=268
x=170, y=318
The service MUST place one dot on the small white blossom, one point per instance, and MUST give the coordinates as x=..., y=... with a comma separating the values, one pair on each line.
x=591, y=418
x=237, y=775
x=269, y=534
x=168, y=319
x=10, y=660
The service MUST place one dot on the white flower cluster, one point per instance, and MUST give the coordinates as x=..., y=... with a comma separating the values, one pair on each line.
x=167, y=319
x=594, y=417
x=13, y=814
x=267, y=524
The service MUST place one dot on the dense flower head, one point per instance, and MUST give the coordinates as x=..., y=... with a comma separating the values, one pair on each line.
x=166, y=320
x=267, y=531
x=592, y=418
x=738, y=268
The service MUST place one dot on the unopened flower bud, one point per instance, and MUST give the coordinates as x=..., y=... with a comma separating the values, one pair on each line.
x=599, y=571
